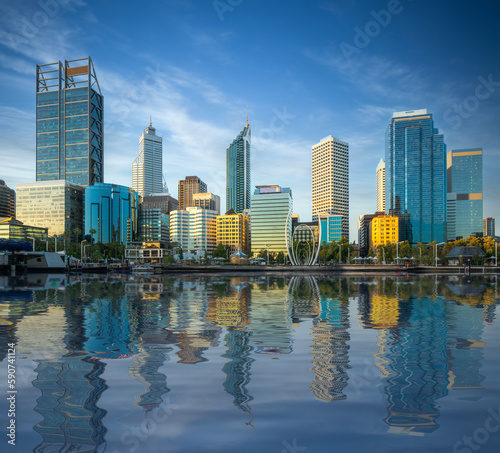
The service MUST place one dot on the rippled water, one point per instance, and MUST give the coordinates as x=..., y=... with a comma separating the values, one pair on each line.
x=252, y=364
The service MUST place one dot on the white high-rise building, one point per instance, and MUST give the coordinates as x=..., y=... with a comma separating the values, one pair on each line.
x=380, y=186
x=147, y=168
x=330, y=180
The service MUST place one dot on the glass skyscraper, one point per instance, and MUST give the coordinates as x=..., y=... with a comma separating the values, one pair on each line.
x=270, y=207
x=69, y=123
x=238, y=172
x=415, y=176
x=147, y=168
x=112, y=211
x=465, y=192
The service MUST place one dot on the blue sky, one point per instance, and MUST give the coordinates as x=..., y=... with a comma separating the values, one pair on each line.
x=305, y=69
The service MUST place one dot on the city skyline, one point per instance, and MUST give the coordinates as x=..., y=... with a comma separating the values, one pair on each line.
x=301, y=83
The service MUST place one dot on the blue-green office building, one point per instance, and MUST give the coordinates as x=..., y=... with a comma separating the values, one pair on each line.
x=415, y=176
x=238, y=172
x=69, y=123
x=112, y=211
x=465, y=192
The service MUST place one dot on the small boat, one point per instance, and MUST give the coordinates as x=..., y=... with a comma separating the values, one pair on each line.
x=143, y=269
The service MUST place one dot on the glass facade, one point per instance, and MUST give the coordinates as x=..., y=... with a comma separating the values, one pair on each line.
x=147, y=168
x=15, y=230
x=7, y=200
x=331, y=228
x=415, y=175
x=154, y=225
x=56, y=205
x=69, y=123
x=112, y=211
x=465, y=193
x=238, y=172
x=270, y=208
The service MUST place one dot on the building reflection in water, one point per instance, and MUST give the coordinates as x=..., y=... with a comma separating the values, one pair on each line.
x=188, y=321
x=70, y=389
x=426, y=347
x=270, y=317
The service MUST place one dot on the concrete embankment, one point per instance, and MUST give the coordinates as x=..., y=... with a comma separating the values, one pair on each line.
x=353, y=268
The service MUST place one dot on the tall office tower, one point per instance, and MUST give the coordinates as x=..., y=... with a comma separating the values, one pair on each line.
x=330, y=180
x=489, y=227
x=415, y=177
x=465, y=193
x=381, y=186
x=69, y=123
x=270, y=207
x=187, y=187
x=56, y=205
x=7, y=200
x=238, y=172
x=207, y=200
x=147, y=168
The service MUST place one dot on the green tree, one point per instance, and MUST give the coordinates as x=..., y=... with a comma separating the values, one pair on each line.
x=77, y=231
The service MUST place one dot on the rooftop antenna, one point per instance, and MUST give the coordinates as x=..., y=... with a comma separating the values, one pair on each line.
x=150, y=122
x=247, y=115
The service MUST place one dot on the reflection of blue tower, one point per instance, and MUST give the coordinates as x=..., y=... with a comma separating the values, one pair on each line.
x=238, y=368
x=145, y=368
x=110, y=328
x=465, y=347
x=70, y=387
x=330, y=351
x=417, y=361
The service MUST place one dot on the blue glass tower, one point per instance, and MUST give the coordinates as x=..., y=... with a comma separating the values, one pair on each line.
x=69, y=123
x=112, y=211
x=415, y=176
x=465, y=192
x=238, y=172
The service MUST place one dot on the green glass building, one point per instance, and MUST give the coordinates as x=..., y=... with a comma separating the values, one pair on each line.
x=238, y=172
x=270, y=207
x=69, y=123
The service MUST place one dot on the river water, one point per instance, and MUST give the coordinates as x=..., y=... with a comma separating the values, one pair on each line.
x=250, y=364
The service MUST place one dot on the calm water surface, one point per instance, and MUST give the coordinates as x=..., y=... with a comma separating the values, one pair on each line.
x=252, y=364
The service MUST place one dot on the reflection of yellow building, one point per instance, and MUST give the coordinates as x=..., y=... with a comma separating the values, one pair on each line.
x=233, y=230
x=385, y=228
x=384, y=311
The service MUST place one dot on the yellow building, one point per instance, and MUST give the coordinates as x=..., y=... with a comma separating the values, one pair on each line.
x=233, y=230
x=385, y=228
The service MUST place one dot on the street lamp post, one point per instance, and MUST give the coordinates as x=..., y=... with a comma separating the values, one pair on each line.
x=435, y=252
x=267, y=254
x=33, y=242
x=340, y=253
x=81, y=249
x=84, y=247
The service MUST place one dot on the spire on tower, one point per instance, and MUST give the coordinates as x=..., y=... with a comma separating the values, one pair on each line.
x=247, y=115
